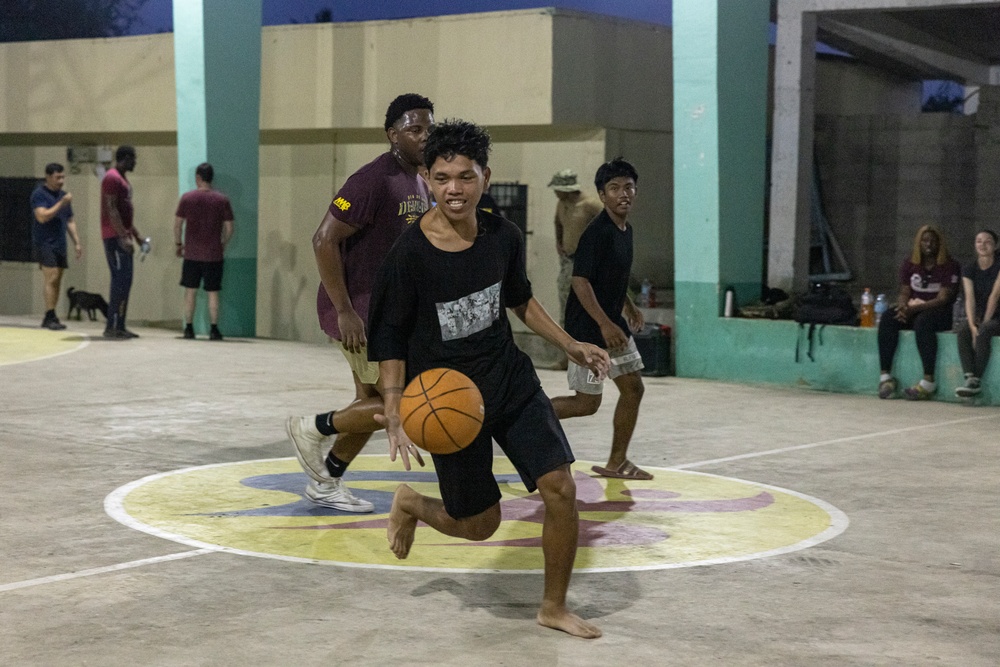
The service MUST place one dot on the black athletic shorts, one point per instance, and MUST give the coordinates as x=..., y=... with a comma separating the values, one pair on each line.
x=532, y=439
x=192, y=273
x=50, y=257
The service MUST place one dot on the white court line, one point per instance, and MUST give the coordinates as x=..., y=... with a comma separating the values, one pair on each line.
x=101, y=570
x=113, y=506
x=851, y=438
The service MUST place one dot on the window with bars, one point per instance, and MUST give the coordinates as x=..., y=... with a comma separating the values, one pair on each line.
x=16, y=218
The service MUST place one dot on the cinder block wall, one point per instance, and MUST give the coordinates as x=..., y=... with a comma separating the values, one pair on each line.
x=882, y=177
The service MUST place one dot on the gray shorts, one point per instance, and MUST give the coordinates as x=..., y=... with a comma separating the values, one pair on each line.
x=624, y=360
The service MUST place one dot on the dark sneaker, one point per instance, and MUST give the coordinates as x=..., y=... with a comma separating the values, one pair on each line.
x=54, y=324
x=113, y=334
x=970, y=388
x=215, y=334
x=189, y=332
x=126, y=334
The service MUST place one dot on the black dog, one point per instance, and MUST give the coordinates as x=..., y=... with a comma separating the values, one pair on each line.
x=88, y=302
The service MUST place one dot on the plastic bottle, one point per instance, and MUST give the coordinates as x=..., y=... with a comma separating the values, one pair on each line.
x=645, y=294
x=958, y=313
x=881, y=305
x=867, y=309
x=730, y=307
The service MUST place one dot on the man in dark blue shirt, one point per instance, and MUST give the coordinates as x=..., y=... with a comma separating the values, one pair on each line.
x=53, y=213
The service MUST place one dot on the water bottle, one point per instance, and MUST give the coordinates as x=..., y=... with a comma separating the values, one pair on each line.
x=867, y=309
x=144, y=248
x=881, y=305
x=645, y=294
x=958, y=313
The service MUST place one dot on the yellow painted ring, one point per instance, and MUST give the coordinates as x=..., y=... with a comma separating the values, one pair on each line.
x=18, y=345
x=679, y=519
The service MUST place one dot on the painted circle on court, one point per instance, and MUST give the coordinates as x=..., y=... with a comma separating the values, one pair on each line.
x=679, y=519
x=18, y=345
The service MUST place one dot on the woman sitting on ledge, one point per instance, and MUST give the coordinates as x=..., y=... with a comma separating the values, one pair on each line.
x=975, y=336
x=928, y=281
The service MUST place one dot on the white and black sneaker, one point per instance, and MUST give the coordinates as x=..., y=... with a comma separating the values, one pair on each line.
x=334, y=494
x=970, y=388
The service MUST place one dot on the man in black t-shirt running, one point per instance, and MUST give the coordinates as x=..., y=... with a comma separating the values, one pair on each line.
x=599, y=311
x=439, y=301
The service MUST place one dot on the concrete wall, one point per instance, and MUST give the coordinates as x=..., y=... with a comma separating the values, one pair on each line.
x=570, y=94
x=618, y=75
x=884, y=176
x=849, y=88
x=88, y=86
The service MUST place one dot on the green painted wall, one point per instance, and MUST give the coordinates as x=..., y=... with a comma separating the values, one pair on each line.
x=217, y=62
x=720, y=123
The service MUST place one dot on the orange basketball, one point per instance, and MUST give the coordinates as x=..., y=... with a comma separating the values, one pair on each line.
x=442, y=411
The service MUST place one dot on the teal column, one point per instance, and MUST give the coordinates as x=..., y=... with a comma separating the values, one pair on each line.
x=720, y=60
x=217, y=65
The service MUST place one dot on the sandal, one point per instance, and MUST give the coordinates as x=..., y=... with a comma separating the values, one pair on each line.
x=626, y=470
x=887, y=388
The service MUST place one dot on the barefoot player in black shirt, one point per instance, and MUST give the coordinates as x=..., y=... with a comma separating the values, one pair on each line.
x=439, y=301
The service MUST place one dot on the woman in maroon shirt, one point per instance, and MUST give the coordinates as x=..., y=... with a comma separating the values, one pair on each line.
x=928, y=282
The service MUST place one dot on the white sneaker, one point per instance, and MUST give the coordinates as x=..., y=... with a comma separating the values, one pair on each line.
x=333, y=493
x=310, y=446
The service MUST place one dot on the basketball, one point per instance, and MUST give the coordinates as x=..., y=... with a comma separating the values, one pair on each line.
x=442, y=411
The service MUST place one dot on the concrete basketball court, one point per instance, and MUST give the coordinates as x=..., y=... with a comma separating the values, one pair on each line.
x=905, y=574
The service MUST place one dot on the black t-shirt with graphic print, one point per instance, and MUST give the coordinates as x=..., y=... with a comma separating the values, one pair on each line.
x=603, y=257
x=439, y=309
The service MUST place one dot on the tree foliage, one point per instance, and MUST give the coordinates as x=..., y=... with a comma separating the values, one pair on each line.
x=31, y=20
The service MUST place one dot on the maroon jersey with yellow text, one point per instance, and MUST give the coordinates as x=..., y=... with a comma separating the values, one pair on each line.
x=380, y=200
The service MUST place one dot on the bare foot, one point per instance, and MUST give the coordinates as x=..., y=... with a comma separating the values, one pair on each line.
x=402, y=526
x=561, y=618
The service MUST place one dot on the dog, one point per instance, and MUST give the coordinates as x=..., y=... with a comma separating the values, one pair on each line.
x=87, y=301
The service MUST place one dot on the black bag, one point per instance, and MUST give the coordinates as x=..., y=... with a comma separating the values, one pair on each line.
x=824, y=304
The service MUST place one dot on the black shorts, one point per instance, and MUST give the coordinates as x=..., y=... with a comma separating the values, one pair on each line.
x=193, y=271
x=50, y=257
x=532, y=439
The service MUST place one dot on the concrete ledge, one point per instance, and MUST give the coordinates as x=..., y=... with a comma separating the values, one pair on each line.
x=844, y=359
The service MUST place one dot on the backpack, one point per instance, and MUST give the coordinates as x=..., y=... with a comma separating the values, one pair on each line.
x=824, y=304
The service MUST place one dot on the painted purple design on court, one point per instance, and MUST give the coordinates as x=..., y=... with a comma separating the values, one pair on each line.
x=590, y=498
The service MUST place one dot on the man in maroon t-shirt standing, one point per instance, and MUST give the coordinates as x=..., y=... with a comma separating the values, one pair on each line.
x=119, y=235
x=365, y=218
x=201, y=242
